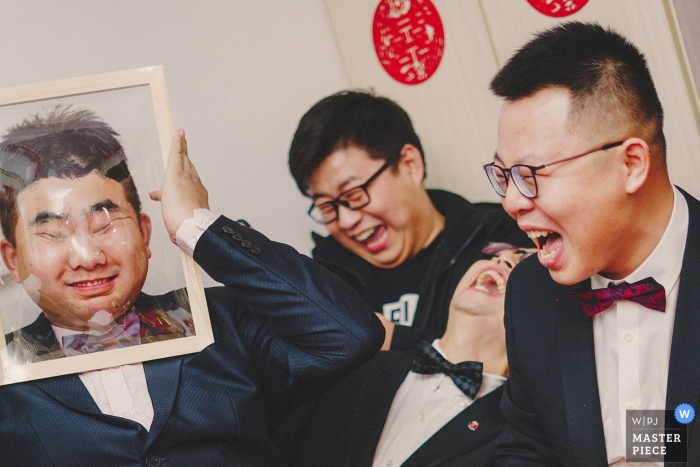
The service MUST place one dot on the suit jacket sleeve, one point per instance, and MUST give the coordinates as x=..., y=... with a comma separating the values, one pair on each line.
x=304, y=327
x=523, y=441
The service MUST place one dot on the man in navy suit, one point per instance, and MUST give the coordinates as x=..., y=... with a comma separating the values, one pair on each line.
x=581, y=165
x=398, y=410
x=284, y=328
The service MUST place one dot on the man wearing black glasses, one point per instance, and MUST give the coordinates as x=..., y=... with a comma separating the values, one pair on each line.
x=605, y=324
x=357, y=156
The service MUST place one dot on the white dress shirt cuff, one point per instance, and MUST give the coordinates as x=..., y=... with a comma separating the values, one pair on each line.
x=190, y=230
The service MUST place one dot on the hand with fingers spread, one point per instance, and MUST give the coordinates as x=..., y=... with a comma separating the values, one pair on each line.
x=182, y=190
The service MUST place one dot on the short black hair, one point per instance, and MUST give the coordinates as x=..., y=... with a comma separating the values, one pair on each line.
x=59, y=142
x=607, y=77
x=349, y=118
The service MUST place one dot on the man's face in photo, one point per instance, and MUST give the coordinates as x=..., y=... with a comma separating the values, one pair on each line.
x=81, y=250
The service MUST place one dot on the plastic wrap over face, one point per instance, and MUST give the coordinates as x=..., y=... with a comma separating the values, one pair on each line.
x=81, y=253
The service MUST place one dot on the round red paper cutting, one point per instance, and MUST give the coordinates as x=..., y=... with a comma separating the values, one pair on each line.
x=557, y=8
x=409, y=39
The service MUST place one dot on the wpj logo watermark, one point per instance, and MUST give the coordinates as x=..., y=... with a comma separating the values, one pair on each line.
x=658, y=435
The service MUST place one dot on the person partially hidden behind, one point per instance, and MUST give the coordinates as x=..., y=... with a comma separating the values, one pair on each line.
x=77, y=241
x=285, y=329
x=606, y=323
x=424, y=409
x=404, y=248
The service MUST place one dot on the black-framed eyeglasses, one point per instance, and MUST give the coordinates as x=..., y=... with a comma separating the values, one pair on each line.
x=524, y=176
x=352, y=199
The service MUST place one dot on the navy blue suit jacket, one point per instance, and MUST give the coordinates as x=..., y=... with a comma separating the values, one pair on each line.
x=551, y=400
x=285, y=330
x=342, y=428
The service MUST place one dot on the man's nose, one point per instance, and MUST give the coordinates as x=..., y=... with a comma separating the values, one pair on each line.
x=507, y=259
x=85, y=253
x=347, y=218
x=514, y=202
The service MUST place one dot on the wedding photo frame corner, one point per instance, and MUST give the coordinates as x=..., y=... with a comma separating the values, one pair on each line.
x=134, y=104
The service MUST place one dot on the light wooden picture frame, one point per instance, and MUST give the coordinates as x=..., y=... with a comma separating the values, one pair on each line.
x=135, y=104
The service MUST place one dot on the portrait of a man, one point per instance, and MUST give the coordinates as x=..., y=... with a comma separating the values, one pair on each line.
x=77, y=241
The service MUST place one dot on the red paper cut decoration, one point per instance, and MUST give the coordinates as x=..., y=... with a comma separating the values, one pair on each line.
x=557, y=8
x=408, y=38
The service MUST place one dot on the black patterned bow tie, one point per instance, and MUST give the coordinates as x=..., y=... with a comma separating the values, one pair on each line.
x=466, y=375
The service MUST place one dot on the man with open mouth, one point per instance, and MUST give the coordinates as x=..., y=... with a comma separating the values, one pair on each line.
x=404, y=248
x=406, y=410
x=605, y=320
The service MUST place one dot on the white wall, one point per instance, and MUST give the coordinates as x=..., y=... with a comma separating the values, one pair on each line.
x=240, y=74
x=688, y=14
x=456, y=115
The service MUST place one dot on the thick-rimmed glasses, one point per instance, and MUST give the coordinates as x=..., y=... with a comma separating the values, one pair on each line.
x=353, y=199
x=524, y=175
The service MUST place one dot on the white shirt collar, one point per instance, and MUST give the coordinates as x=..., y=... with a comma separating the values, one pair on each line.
x=489, y=382
x=436, y=345
x=665, y=262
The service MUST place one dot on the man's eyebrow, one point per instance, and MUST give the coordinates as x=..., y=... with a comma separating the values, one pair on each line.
x=518, y=161
x=341, y=188
x=45, y=217
x=102, y=205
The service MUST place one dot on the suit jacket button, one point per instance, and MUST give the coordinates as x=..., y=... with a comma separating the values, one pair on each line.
x=256, y=250
x=246, y=244
x=237, y=237
x=154, y=461
x=228, y=229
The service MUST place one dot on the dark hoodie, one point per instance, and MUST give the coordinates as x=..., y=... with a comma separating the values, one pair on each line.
x=468, y=229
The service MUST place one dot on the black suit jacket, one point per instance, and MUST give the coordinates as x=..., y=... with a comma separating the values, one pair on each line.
x=285, y=329
x=343, y=427
x=551, y=400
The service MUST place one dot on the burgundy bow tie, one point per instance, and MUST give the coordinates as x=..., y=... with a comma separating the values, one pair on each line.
x=647, y=292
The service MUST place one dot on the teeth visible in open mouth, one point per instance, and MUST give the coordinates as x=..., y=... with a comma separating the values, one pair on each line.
x=365, y=235
x=381, y=238
x=486, y=281
x=90, y=283
x=534, y=234
x=540, y=239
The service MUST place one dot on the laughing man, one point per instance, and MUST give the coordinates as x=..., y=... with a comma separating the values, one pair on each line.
x=404, y=248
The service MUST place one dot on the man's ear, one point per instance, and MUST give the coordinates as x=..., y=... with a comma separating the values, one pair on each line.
x=146, y=230
x=637, y=159
x=412, y=161
x=9, y=257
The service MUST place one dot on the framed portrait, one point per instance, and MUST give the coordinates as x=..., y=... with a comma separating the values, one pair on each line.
x=89, y=277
